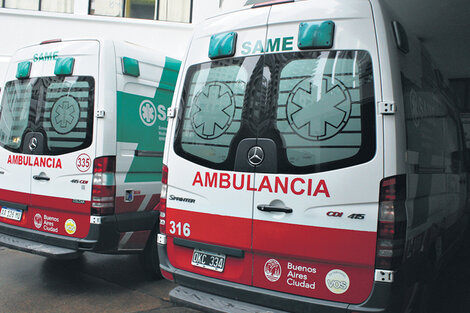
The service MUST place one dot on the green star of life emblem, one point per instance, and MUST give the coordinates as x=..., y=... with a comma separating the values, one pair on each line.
x=65, y=114
x=318, y=112
x=147, y=112
x=212, y=111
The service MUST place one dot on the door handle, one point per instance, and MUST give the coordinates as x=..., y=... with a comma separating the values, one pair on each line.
x=39, y=177
x=273, y=208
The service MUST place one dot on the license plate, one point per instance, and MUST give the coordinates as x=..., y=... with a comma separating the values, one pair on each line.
x=208, y=260
x=12, y=214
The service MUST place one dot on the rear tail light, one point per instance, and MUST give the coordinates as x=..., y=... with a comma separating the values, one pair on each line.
x=162, y=204
x=391, y=231
x=104, y=186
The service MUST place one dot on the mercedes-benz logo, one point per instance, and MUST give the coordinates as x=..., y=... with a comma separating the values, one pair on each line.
x=255, y=156
x=33, y=143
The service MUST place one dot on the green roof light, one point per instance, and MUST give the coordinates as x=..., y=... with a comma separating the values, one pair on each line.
x=64, y=66
x=316, y=35
x=222, y=45
x=130, y=67
x=23, y=70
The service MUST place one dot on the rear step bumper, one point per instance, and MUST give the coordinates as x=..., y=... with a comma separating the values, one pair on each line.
x=103, y=237
x=379, y=301
x=212, y=303
x=37, y=248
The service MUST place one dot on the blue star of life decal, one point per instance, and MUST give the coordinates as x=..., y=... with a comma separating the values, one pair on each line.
x=318, y=112
x=65, y=114
x=212, y=111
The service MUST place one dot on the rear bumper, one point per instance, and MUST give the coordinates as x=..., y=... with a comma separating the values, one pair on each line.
x=380, y=299
x=103, y=237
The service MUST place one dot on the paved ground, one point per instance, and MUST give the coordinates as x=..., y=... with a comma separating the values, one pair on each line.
x=110, y=283
x=93, y=283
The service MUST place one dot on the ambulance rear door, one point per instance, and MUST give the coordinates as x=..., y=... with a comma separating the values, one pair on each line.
x=210, y=184
x=62, y=127
x=319, y=154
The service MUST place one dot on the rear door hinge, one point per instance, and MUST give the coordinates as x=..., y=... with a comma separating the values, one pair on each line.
x=387, y=107
x=171, y=112
x=100, y=113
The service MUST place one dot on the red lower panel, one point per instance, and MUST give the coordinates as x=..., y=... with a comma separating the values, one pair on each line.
x=318, y=262
x=212, y=229
x=215, y=229
x=325, y=281
x=236, y=269
x=63, y=204
x=53, y=215
x=59, y=223
x=318, y=243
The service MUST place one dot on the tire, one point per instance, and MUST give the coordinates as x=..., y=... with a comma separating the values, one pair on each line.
x=149, y=257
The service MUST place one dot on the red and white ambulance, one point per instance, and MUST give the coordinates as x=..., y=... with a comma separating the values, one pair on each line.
x=313, y=162
x=82, y=131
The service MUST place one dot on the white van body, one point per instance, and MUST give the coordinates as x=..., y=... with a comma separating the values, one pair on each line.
x=310, y=179
x=81, y=146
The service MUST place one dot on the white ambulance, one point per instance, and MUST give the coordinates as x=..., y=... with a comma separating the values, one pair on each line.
x=82, y=131
x=313, y=162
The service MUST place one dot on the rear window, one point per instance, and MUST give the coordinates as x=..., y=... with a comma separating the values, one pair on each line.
x=317, y=107
x=61, y=108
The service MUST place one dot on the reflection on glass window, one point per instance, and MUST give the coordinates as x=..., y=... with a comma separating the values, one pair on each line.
x=140, y=9
x=107, y=7
x=22, y=4
x=60, y=6
x=174, y=10
x=58, y=107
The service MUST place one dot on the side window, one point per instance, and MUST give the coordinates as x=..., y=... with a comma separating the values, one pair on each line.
x=427, y=118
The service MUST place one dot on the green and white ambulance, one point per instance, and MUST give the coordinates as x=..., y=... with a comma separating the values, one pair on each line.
x=314, y=163
x=82, y=131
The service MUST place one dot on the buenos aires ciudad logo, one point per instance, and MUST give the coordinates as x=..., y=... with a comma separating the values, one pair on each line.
x=272, y=270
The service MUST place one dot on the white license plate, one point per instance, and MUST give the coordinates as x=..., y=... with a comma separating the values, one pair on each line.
x=12, y=214
x=208, y=260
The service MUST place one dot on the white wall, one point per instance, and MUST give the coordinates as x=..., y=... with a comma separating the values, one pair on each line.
x=19, y=28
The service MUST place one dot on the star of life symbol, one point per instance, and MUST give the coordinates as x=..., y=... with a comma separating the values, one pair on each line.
x=147, y=112
x=65, y=114
x=272, y=270
x=212, y=111
x=318, y=112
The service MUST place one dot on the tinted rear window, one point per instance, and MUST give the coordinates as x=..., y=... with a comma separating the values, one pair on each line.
x=317, y=107
x=61, y=108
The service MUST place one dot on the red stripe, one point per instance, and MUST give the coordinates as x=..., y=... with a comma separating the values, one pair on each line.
x=294, y=281
x=63, y=204
x=324, y=249
x=321, y=244
x=210, y=228
x=152, y=205
x=127, y=207
x=14, y=196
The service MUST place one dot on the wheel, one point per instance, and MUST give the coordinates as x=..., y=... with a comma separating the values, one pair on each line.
x=149, y=257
